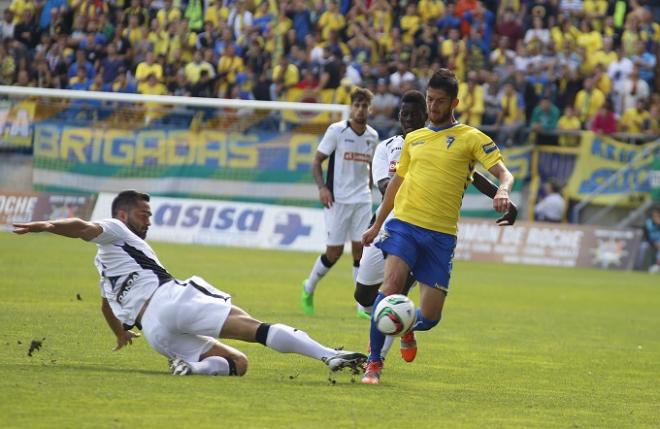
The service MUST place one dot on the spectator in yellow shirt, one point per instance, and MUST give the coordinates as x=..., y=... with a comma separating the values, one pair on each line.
x=134, y=32
x=148, y=67
x=431, y=10
x=605, y=56
x=217, y=13
x=470, y=101
x=511, y=118
x=330, y=20
x=569, y=122
x=193, y=69
x=159, y=38
x=380, y=20
x=228, y=66
x=20, y=6
x=602, y=80
x=589, y=38
x=168, y=14
x=409, y=24
x=285, y=76
x=152, y=87
x=637, y=119
x=588, y=100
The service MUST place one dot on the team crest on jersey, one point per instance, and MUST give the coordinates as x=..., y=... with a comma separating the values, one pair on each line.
x=450, y=141
x=393, y=166
x=489, y=147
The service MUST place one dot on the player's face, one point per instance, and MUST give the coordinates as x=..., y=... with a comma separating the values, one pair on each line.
x=412, y=117
x=138, y=219
x=440, y=106
x=360, y=111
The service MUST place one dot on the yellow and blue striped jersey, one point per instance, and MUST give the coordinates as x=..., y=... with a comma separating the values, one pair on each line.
x=437, y=165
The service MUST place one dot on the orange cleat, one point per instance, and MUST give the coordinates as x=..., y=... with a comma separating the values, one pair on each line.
x=408, y=347
x=372, y=373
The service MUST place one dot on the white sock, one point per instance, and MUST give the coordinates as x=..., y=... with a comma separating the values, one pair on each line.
x=318, y=271
x=387, y=345
x=355, y=273
x=286, y=339
x=212, y=365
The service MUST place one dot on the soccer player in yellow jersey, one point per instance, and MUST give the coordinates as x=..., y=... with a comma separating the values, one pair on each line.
x=436, y=165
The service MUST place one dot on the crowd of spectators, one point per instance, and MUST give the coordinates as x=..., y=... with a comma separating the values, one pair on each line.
x=525, y=66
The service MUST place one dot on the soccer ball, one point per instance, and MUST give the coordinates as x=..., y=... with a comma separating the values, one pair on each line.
x=395, y=315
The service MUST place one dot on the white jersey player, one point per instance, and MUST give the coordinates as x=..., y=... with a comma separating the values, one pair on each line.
x=180, y=319
x=346, y=193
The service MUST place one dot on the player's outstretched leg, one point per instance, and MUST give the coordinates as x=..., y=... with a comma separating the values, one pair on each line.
x=285, y=339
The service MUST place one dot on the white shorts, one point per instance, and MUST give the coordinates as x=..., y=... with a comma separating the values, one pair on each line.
x=372, y=266
x=346, y=220
x=184, y=319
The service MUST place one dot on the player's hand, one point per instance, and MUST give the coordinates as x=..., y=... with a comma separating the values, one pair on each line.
x=24, y=228
x=325, y=196
x=126, y=337
x=509, y=217
x=370, y=235
x=501, y=202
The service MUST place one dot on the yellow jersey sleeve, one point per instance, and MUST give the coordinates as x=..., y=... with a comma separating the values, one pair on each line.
x=484, y=149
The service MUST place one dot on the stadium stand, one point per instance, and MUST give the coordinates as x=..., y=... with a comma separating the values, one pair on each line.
x=528, y=66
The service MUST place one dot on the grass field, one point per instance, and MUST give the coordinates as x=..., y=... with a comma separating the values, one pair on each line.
x=518, y=347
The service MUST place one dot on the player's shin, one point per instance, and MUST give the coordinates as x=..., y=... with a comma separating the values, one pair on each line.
x=213, y=365
x=320, y=269
x=286, y=339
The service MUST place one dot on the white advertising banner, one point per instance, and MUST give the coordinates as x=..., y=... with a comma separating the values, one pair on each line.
x=230, y=223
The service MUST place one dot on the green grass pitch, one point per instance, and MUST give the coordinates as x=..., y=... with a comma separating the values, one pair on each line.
x=518, y=347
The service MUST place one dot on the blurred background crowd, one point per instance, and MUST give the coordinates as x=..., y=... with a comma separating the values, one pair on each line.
x=527, y=67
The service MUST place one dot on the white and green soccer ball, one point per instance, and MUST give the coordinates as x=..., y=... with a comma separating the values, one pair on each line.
x=395, y=315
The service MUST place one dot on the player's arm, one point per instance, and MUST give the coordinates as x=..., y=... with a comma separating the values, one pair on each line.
x=325, y=196
x=382, y=185
x=501, y=201
x=385, y=209
x=71, y=227
x=488, y=188
x=123, y=337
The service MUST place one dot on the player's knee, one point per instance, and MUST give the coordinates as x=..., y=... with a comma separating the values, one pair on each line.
x=241, y=364
x=331, y=256
x=365, y=295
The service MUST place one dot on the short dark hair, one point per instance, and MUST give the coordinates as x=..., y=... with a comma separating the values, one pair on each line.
x=126, y=200
x=361, y=94
x=415, y=97
x=445, y=79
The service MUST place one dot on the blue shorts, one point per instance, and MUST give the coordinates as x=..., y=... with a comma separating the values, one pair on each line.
x=428, y=253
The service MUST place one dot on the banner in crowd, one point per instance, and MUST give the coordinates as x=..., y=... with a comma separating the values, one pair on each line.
x=601, y=157
x=16, y=124
x=228, y=223
x=265, y=226
x=326, y=96
x=27, y=207
x=260, y=164
x=655, y=179
x=536, y=243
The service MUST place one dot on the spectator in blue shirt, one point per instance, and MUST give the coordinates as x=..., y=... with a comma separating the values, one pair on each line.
x=82, y=63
